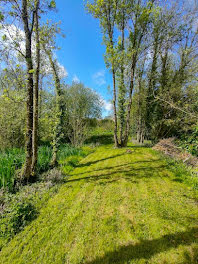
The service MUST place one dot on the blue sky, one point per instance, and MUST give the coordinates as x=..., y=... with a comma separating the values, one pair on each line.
x=82, y=50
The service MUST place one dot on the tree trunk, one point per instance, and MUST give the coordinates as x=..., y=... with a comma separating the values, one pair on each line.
x=59, y=111
x=27, y=171
x=115, y=113
x=127, y=129
x=110, y=26
x=36, y=94
x=150, y=104
x=122, y=86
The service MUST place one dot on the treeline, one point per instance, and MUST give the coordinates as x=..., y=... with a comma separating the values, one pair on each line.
x=81, y=106
x=152, y=53
x=36, y=106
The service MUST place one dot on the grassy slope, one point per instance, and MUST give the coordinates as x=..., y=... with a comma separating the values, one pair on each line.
x=116, y=208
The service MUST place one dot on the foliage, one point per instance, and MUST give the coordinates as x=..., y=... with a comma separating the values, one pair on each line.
x=189, y=141
x=82, y=104
x=20, y=208
x=152, y=51
x=12, y=159
x=16, y=217
x=12, y=108
x=182, y=172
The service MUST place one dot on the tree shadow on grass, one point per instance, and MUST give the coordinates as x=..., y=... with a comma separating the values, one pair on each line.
x=118, y=166
x=96, y=161
x=146, y=249
x=101, y=139
x=130, y=174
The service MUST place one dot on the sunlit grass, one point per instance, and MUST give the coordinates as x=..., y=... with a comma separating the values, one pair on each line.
x=117, y=207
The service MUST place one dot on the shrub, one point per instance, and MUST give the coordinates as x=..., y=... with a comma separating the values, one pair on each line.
x=54, y=176
x=190, y=142
x=15, y=217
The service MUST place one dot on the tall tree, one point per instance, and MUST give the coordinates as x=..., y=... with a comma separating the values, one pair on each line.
x=121, y=23
x=58, y=133
x=36, y=90
x=28, y=29
x=49, y=33
x=106, y=12
x=132, y=19
x=140, y=14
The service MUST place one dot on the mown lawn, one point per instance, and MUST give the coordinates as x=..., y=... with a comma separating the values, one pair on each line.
x=116, y=207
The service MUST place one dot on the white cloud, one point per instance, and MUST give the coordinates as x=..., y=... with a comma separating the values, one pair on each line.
x=99, y=78
x=62, y=72
x=47, y=70
x=12, y=38
x=76, y=79
x=107, y=106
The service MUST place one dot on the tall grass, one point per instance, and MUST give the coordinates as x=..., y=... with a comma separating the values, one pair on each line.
x=67, y=150
x=13, y=159
x=44, y=158
x=10, y=161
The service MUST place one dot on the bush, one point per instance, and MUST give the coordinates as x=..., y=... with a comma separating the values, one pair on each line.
x=190, y=142
x=15, y=217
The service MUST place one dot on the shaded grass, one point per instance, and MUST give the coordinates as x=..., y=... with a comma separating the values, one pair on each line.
x=116, y=207
x=104, y=138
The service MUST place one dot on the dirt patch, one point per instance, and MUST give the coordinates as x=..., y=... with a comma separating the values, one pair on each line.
x=168, y=147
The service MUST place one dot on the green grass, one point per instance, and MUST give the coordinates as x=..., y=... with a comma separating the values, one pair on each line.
x=13, y=159
x=10, y=161
x=116, y=207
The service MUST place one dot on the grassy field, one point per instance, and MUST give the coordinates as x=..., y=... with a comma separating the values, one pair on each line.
x=117, y=207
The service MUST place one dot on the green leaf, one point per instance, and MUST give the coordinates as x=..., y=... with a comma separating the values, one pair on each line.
x=52, y=4
x=31, y=71
x=1, y=16
x=4, y=37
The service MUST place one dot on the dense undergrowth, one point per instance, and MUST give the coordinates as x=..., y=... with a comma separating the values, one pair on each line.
x=182, y=172
x=190, y=142
x=12, y=160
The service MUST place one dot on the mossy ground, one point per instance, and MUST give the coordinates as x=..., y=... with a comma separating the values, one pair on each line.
x=116, y=207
